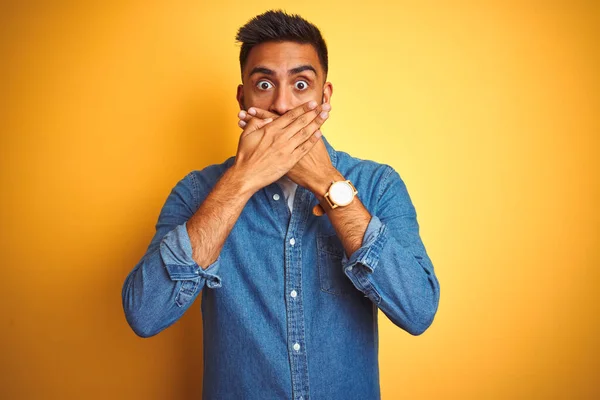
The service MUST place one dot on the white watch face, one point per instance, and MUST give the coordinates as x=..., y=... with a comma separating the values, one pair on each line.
x=341, y=193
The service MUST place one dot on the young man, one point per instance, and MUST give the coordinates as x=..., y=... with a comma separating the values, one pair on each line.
x=293, y=245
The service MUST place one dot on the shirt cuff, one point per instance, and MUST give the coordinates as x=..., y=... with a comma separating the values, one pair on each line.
x=372, y=245
x=176, y=254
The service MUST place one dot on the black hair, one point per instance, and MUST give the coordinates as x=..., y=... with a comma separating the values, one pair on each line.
x=278, y=26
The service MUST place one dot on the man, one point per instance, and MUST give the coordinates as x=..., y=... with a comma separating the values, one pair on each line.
x=293, y=245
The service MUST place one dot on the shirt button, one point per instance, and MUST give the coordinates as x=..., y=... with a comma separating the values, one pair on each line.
x=292, y=241
x=275, y=197
x=349, y=268
x=296, y=346
x=301, y=398
x=293, y=293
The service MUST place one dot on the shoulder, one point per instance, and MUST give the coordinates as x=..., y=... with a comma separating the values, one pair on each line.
x=207, y=177
x=350, y=163
x=368, y=174
x=199, y=183
x=372, y=179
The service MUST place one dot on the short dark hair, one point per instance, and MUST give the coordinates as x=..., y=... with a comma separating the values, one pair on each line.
x=278, y=26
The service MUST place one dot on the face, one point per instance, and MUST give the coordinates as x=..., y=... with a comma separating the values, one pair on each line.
x=279, y=76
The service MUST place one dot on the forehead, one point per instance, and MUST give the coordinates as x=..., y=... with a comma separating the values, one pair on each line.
x=282, y=56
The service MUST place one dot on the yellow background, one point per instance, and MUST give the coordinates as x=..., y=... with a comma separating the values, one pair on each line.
x=489, y=111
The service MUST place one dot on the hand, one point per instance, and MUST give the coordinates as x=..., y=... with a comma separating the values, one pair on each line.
x=252, y=113
x=269, y=149
x=255, y=112
x=314, y=171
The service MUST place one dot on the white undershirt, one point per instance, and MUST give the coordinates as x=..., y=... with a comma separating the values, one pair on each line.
x=289, y=190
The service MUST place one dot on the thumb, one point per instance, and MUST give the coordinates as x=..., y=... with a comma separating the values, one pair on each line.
x=254, y=125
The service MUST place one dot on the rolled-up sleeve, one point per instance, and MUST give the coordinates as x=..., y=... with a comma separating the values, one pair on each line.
x=166, y=281
x=392, y=267
x=176, y=254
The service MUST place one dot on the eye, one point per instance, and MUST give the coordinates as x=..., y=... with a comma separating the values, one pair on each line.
x=301, y=85
x=264, y=85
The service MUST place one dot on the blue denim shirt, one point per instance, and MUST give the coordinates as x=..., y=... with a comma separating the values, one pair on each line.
x=286, y=315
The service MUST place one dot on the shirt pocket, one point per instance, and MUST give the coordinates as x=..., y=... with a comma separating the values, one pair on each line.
x=329, y=260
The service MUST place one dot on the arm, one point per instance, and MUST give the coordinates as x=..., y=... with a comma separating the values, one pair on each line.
x=391, y=266
x=179, y=261
x=388, y=261
x=183, y=256
x=350, y=222
x=258, y=163
x=210, y=226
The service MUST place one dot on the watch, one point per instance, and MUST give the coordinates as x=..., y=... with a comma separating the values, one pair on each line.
x=340, y=194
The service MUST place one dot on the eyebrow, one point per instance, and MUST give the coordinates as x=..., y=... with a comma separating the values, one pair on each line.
x=302, y=68
x=293, y=71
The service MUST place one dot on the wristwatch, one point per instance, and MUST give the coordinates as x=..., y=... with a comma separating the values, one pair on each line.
x=340, y=194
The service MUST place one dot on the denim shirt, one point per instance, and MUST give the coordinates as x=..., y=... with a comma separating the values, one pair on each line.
x=286, y=314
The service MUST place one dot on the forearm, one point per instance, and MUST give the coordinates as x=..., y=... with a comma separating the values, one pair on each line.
x=166, y=281
x=210, y=226
x=350, y=222
x=392, y=269
x=159, y=291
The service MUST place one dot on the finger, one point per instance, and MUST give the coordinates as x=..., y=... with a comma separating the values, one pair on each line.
x=291, y=116
x=300, y=129
x=246, y=117
x=260, y=113
x=306, y=146
x=254, y=125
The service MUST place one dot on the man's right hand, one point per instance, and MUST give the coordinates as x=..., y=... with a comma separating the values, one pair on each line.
x=268, y=149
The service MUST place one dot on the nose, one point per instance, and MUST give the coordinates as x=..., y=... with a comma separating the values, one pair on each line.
x=283, y=101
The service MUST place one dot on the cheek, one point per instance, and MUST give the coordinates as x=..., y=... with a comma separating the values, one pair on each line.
x=298, y=97
x=308, y=95
x=257, y=99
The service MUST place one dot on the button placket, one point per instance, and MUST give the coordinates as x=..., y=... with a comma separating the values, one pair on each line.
x=293, y=286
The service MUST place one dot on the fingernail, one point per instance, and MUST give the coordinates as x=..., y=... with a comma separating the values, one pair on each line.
x=312, y=105
x=251, y=111
x=318, y=134
x=268, y=120
x=326, y=107
x=324, y=114
x=242, y=114
x=242, y=124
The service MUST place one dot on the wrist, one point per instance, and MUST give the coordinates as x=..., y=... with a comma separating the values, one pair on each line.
x=238, y=178
x=322, y=182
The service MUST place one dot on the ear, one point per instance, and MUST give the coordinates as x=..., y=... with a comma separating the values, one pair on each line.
x=327, y=92
x=240, y=96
